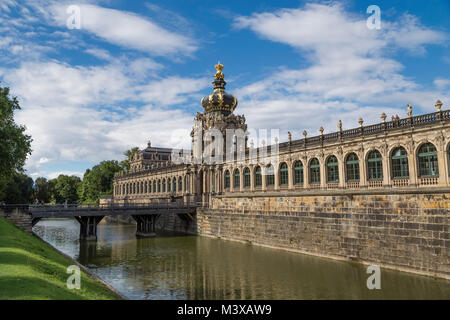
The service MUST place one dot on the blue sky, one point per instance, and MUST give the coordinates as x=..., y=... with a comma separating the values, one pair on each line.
x=136, y=70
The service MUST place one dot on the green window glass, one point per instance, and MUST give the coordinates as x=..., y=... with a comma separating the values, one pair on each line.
x=399, y=162
x=314, y=171
x=332, y=169
x=236, y=179
x=284, y=174
x=246, y=178
x=145, y=187
x=154, y=186
x=298, y=172
x=164, y=185
x=159, y=186
x=227, y=179
x=123, y=189
x=141, y=190
x=128, y=191
x=169, y=184
x=258, y=178
x=352, y=167
x=374, y=165
x=180, y=184
x=428, y=162
x=270, y=176
x=134, y=187
x=174, y=185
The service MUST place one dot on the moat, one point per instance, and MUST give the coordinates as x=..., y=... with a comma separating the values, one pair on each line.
x=176, y=266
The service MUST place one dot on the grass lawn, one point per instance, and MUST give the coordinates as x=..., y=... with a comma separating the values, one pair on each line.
x=32, y=269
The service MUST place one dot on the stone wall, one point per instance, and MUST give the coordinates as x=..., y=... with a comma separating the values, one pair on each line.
x=408, y=232
x=173, y=222
x=18, y=215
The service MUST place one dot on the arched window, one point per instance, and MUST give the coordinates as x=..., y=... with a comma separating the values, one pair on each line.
x=399, y=160
x=128, y=189
x=258, y=178
x=145, y=187
x=236, y=178
x=246, y=178
x=169, y=184
x=141, y=190
x=298, y=172
x=164, y=185
x=314, y=171
x=174, y=185
x=180, y=184
x=134, y=187
x=123, y=189
x=154, y=186
x=428, y=162
x=352, y=167
x=374, y=165
x=284, y=175
x=227, y=179
x=332, y=169
x=270, y=176
x=159, y=185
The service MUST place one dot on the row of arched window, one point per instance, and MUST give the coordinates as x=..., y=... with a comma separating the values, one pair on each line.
x=426, y=156
x=168, y=185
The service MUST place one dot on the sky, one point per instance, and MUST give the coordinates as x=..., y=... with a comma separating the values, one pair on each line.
x=133, y=71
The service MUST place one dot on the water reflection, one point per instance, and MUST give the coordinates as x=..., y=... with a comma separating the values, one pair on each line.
x=175, y=266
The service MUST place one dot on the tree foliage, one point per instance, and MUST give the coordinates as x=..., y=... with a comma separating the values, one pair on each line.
x=99, y=181
x=15, y=145
x=65, y=188
x=19, y=189
x=125, y=164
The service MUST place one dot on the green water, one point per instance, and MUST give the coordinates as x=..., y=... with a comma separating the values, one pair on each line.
x=174, y=266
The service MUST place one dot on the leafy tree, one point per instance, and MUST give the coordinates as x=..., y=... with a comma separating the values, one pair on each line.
x=42, y=190
x=66, y=188
x=99, y=180
x=15, y=145
x=125, y=164
x=19, y=189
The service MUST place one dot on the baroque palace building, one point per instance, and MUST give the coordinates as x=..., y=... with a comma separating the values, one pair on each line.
x=408, y=153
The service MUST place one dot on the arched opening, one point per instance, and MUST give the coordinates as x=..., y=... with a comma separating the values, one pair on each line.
x=174, y=184
x=154, y=186
x=169, y=184
x=258, y=178
x=428, y=161
x=399, y=162
x=270, y=176
x=332, y=169
x=314, y=171
x=227, y=179
x=284, y=175
x=236, y=178
x=246, y=178
x=298, y=172
x=352, y=167
x=159, y=185
x=374, y=166
x=164, y=185
x=180, y=184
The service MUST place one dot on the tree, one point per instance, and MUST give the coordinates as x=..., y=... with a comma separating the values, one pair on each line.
x=15, y=145
x=99, y=180
x=42, y=190
x=19, y=189
x=66, y=188
x=125, y=164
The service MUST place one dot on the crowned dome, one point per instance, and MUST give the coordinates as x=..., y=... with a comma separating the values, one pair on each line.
x=219, y=100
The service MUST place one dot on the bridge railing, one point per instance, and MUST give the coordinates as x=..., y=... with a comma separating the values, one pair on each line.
x=96, y=207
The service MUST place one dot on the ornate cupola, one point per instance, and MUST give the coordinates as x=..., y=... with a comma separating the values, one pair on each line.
x=219, y=101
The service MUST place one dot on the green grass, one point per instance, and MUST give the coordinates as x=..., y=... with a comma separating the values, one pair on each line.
x=32, y=269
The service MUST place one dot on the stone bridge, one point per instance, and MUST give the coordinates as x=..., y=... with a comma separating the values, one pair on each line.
x=89, y=215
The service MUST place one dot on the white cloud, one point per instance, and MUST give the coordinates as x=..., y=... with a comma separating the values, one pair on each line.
x=351, y=71
x=128, y=30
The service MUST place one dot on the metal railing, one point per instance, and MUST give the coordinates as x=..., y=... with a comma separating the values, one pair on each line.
x=112, y=207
